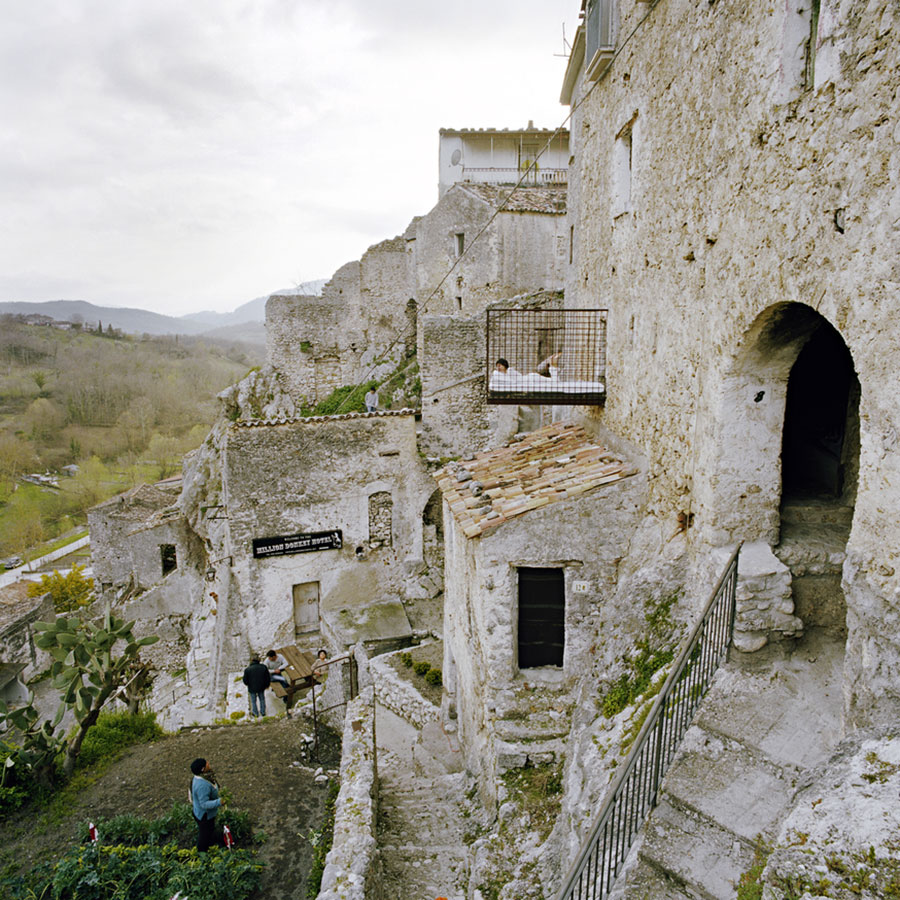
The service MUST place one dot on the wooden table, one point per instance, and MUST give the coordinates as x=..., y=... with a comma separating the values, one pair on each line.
x=299, y=674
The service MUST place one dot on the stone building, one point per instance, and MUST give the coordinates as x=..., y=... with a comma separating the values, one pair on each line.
x=137, y=538
x=20, y=659
x=360, y=327
x=502, y=156
x=535, y=531
x=747, y=255
x=355, y=480
x=523, y=247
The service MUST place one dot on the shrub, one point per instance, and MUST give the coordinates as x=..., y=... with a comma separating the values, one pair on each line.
x=433, y=676
x=421, y=667
x=406, y=659
x=115, y=731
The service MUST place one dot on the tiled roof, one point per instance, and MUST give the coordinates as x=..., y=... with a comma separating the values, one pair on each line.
x=314, y=420
x=550, y=199
x=535, y=469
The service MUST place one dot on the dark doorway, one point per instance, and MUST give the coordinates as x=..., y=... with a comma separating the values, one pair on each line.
x=542, y=608
x=816, y=418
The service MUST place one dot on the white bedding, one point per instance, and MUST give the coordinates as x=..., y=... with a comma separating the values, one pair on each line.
x=533, y=383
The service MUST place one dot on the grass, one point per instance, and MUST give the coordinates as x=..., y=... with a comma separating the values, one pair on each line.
x=538, y=792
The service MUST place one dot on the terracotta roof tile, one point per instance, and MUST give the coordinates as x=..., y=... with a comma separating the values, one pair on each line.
x=536, y=469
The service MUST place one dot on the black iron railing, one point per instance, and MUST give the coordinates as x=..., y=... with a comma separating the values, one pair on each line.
x=634, y=793
x=553, y=356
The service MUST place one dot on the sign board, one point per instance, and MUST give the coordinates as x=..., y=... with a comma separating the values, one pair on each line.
x=297, y=543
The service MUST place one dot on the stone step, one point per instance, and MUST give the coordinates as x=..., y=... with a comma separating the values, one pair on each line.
x=730, y=783
x=648, y=881
x=813, y=513
x=691, y=850
x=790, y=713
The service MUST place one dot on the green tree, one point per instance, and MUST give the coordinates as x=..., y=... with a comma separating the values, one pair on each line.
x=68, y=592
x=85, y=668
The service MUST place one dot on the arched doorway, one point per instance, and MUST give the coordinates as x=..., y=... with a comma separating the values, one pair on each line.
x=819, y=473
x=782, y=470
x=820, y=443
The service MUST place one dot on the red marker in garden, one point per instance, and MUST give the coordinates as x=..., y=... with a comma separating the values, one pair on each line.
x=229, y=840
x=92, y=832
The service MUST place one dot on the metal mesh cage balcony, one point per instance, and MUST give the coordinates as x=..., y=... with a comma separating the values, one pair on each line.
x=548, y=356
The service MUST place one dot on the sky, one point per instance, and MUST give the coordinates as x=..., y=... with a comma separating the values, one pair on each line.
x=181, y=156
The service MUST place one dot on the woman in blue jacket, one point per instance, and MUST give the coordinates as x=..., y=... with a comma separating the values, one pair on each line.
x=205, y=802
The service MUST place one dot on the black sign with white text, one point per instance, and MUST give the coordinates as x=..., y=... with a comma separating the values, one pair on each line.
x=297, y=543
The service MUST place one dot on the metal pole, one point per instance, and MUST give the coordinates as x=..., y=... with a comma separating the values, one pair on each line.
x=315, y=724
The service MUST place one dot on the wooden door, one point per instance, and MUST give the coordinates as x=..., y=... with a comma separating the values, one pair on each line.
x=542, y=608
x=306, y=607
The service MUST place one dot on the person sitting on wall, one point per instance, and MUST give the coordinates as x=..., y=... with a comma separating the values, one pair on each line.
x=319, y=669
x=256, y=677
x=371, y=400
x=276, y=664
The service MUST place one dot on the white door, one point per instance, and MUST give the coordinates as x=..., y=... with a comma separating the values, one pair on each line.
x=306, y=607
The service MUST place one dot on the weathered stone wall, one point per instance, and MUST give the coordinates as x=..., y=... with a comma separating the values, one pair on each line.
x=456, y=418
x=749, y=201
x=319, y=475
x=519, y=252
x=399, y=695
x=360, y=326
x=587, y=538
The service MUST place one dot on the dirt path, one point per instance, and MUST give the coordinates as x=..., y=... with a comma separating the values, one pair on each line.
x=252, y=761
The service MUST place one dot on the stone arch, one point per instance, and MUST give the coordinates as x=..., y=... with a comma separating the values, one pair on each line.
x=782, y=471
x=742, y=492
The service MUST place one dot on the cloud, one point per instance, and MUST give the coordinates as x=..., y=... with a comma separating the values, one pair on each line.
x=185, y=152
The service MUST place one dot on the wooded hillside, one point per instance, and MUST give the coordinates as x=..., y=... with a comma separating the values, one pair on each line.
x=122, y=409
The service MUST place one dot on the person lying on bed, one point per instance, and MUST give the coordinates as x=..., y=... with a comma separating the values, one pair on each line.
x=548, y=367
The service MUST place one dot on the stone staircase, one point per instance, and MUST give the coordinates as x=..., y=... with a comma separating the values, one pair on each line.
x=754, y=737
x=420, y=815
x=813, y=546
x=532, y=724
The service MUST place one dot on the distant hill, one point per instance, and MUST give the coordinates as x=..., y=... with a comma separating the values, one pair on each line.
x=131, y=321
x=253, y=310
x=223, y=326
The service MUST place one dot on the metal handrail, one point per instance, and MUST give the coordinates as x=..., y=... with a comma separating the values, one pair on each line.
x=635, y=790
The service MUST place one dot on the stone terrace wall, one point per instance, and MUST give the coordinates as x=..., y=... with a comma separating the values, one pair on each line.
x=399, y=695
x=746, y=192
x=352, y=867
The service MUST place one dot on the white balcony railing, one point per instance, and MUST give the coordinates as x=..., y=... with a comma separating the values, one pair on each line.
x=511, y=175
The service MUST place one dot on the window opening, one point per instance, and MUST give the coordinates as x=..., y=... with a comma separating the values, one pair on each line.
x=542, y=607
x=460, y=238
x=381, y=509
x=623, y=155
x=169, y=558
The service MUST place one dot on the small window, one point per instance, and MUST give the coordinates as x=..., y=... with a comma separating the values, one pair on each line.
x=622, y=165
x=460, y=239
x=459, y=303
x=571, y=244
x=542, y=608
x=168, y=557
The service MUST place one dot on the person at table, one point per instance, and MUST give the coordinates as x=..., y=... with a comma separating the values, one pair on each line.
x=276, y=664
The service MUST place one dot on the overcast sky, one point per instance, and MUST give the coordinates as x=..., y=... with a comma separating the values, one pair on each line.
x=181, y=156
